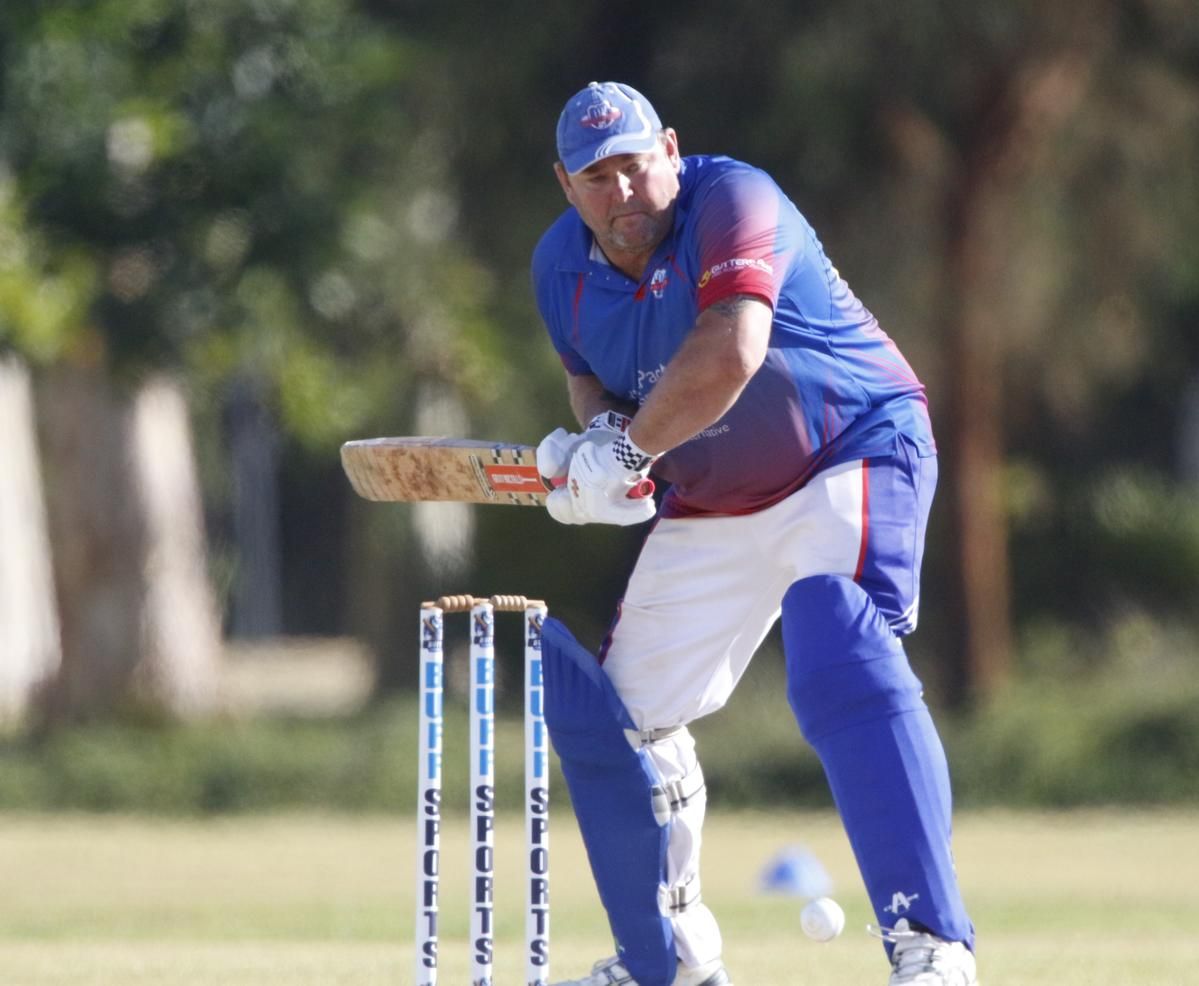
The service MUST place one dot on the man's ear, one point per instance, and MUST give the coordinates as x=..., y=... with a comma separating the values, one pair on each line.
x=564, y=181
x=670, y=141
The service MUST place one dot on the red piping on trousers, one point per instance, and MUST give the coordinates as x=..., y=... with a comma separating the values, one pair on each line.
x=857, y=575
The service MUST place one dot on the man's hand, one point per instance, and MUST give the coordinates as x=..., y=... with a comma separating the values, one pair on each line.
x=555, y=450
x=604, y=470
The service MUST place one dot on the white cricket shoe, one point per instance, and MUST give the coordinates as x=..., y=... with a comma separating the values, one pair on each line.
x=611, y=972
x=921, y=959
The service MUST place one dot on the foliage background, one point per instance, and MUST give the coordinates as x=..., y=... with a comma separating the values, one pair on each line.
x=330, y=204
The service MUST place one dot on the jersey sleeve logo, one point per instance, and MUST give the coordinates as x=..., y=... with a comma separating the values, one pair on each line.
x=736, y=264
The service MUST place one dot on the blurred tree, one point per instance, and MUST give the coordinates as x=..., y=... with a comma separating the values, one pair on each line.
x=290, y=193
x=29, y=642
x=1018, y=103
x=1011, y=189
x=139, y=625
x=222, y=190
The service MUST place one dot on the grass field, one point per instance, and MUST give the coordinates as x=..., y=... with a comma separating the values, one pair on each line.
x=1079, y=899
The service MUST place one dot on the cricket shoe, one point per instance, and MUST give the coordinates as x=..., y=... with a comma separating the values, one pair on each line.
x=611, y=972
x=921, y=959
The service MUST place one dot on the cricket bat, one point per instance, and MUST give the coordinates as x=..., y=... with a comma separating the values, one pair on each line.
x=461, y=470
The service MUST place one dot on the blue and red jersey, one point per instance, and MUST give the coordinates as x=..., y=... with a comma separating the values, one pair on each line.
x=833, y=386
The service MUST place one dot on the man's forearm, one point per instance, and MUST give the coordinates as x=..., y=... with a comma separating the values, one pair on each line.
x=707, y=374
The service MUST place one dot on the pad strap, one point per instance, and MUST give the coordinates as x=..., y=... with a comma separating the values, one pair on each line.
x=675, y=900
x=673, y=797
x=646, y=736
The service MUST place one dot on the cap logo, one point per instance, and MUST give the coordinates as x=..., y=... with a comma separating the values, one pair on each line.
x=603, y=120
x=600, y=116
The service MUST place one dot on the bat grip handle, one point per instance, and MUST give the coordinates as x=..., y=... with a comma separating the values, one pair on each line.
x=641, y=490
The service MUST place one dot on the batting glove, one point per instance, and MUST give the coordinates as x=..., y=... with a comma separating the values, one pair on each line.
x=605, y=484
x=555, y=450
x=612, y=421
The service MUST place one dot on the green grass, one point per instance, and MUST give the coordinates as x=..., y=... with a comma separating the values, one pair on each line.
x=1075, y=899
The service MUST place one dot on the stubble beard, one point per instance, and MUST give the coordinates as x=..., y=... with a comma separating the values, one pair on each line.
x=639, y=237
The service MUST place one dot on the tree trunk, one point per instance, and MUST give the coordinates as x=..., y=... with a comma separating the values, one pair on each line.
x=983, y=213
x=139, y=622
x=979, y=545
x=179, y=669
x=29, y=644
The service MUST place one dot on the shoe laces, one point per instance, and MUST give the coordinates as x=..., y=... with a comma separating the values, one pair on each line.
x=918, y=956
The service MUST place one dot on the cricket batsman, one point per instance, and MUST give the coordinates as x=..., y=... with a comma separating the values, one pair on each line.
x=708, y=340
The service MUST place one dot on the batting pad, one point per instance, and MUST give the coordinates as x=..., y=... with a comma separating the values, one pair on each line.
x=611, y=788
x=860, y=706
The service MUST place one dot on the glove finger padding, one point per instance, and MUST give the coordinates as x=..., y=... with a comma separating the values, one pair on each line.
x=556, y=449
x=622, y=511
x=561, y=507
x=599, y=484
x=593, y=507
x=554, y=452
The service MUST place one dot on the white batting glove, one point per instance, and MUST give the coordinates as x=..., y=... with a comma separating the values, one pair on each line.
x=555, y=450
x=612, y=421
x=562, y=507
x=603, y=473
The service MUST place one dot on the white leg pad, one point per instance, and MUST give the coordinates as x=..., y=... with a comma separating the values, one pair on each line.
x=683, y=796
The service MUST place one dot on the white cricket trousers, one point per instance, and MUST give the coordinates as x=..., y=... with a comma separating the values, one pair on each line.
x=704, y=593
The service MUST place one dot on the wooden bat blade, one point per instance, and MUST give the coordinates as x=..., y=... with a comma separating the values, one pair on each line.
x=462, y=470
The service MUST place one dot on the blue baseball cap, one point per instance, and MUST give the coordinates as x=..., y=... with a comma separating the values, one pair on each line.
x=603, y=119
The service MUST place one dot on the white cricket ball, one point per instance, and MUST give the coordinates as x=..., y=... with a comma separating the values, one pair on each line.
x=822, y=919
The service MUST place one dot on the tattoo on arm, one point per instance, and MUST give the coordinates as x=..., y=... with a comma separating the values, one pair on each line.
x=734, y=304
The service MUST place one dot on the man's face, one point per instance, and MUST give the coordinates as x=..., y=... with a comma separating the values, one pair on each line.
x=627, y=200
